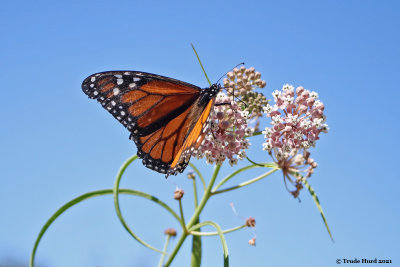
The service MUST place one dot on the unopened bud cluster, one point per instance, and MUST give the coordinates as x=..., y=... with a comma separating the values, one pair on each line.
x=241, y=83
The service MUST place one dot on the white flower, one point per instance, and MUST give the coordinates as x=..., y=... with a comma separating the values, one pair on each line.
x=287, y=87
x=267, y=109
x=276, y=94
x=267, y=146
x=233, y=161
x=314, y=95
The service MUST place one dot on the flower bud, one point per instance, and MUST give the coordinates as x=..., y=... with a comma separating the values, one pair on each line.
x=252, y=242
x=178, y=194
x=220, y=115
x=170, y=232
x=299, y=159
x=191, y=175
x=250, y=222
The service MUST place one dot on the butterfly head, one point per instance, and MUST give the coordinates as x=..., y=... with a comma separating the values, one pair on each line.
x=209, y=93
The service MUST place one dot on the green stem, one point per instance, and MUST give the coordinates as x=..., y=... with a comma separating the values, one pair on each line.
x=221, y=235
x=160, y=264
x=199, y=174
x=196, y=201
x=256, y=133
x=195, y=260
x=245, y=183
x=230, y=176
x=197, y=233
x=195, y=216
x=198, y=58
x=118, y=209
x=182, y=217
x=86, y=196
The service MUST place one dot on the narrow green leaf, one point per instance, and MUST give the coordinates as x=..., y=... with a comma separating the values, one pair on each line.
x=86, y=196
x=195, y=260
x=316, y=200
x=201, y=65
x=221, y=235
x=116, y=191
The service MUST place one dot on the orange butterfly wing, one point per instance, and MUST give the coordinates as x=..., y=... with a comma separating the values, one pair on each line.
x=160, y=112
x=193, y=140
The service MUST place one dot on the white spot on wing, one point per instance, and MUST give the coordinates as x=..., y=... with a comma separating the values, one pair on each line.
x=131, y=85
x=120, y=81
x=92, y=79
x=115, y=91
x=136, y=79
x=118, y=76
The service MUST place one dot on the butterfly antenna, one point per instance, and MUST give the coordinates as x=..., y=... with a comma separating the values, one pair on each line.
x=238, y=99
x=229, y=71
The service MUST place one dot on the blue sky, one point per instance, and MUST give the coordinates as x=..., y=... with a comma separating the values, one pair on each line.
x=56, y=144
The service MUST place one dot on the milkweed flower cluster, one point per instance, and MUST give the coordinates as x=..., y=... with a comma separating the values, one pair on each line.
x=241, y=83
x=297, y=119
x=225, y=133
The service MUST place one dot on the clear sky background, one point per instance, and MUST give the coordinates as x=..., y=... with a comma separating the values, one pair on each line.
x=57, y=144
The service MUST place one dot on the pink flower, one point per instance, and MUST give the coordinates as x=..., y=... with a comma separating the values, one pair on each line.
x=225, y=134
x=297, y=119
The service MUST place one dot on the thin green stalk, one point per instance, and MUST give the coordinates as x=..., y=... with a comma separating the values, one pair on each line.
x=118, y=209
x=245, y=183
x=256, y=133
x=198, y=233
x=221, y=235
x=230, y=176
x=205, y=197
x=196, y=215
x=198, y=58
x=195, y=260
x=86, y=196
x=196, y=201
x=199, y=174
x=160, y=264
x=176, y=249
x=182, y=216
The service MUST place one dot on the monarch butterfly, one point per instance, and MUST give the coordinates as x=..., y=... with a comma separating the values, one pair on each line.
x=165, y=116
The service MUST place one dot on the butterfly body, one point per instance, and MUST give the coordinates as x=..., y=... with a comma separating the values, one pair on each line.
x=165, y=116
